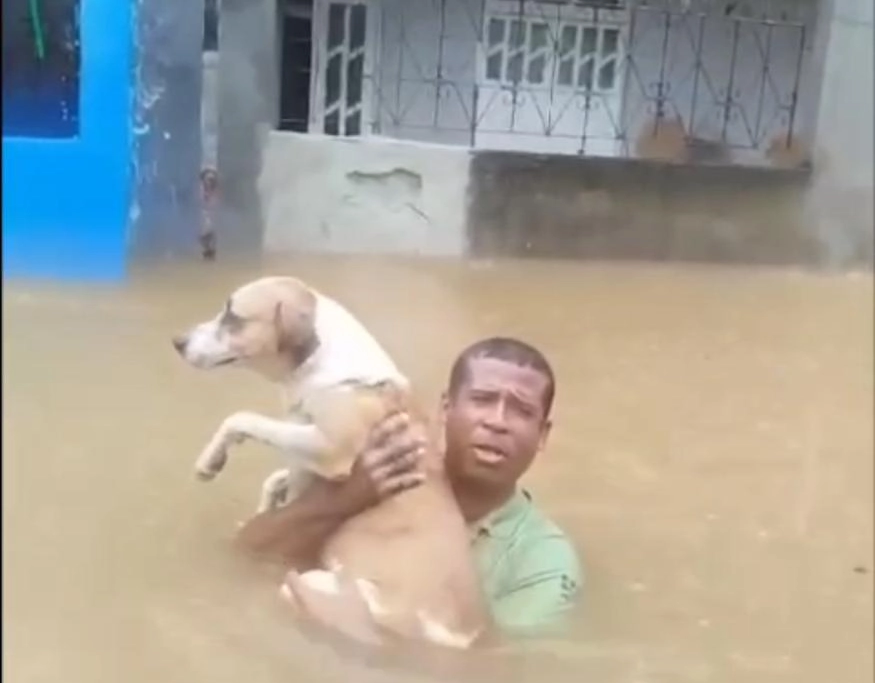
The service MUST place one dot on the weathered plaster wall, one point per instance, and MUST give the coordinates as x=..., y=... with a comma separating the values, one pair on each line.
x=363, y=195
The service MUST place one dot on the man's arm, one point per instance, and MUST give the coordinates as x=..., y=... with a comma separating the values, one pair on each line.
x=546, y=586
x=295, y=534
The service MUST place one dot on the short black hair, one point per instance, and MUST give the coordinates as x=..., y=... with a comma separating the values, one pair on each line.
x=510, y=350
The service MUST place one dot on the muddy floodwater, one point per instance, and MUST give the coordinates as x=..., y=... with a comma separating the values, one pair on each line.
x=712, y=457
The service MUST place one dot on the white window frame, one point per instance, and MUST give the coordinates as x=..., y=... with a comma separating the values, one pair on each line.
x=581, y=16
x=319, y=64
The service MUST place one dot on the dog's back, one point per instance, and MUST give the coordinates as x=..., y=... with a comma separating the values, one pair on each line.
x=413, y=547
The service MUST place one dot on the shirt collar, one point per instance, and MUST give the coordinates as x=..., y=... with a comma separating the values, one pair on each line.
x=501, y=522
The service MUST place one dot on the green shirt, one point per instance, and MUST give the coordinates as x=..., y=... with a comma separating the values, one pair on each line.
x=530, y=570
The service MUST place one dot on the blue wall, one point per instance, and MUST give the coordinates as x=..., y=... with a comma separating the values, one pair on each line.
x=66, y=202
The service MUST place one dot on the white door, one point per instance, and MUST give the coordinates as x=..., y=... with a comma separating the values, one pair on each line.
x=345, y=36
x=550, y=79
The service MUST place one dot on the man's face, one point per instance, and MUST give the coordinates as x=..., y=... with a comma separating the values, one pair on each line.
x=495, y=424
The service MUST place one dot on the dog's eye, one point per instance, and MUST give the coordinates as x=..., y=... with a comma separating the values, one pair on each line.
x=230, y=320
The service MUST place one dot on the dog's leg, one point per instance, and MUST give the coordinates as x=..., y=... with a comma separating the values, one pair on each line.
x=274, y=491
x=304, y=440
x=282, y=487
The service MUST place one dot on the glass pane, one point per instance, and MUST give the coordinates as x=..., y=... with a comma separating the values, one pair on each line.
x=332, y=80
x=354, y=78
x=493, y=66
x=517, y=34
x=496, y=31
x=535, y=71
x=565, y=76
x=610, y=42
x=41, y=61
x=567, y=40
x=584, y=76
x=357, y=19
x=538, y=36
x=606, y=75
x=515, y=68
x=332, y=123
x=354, y=124
x=336, y=25
x=588, y=44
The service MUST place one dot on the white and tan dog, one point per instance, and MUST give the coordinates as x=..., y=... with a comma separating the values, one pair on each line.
x=408, y=558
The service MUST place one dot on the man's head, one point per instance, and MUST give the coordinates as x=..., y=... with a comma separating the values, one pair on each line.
x=496, y=412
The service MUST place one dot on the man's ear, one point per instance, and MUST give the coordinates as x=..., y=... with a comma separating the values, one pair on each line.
x=441, y=422
x=443, y=406
x=546, y=428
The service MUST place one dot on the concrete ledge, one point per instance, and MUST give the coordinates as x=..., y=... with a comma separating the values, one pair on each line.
x=561, y=207
x=363, y=195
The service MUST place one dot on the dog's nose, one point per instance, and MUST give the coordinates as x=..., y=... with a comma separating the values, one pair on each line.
x=179, y=342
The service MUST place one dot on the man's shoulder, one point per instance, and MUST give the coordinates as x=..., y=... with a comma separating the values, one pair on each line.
x=541, y=574
x=541, y=543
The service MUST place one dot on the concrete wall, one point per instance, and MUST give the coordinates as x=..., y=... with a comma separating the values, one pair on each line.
x=165, y=211
x=839, y=207
x=248, y=110
x=560, y=207
x=358, y=195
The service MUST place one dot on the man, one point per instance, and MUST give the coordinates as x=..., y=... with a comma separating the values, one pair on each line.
x=496, y=416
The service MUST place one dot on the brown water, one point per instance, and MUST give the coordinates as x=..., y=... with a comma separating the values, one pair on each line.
x=712, y=457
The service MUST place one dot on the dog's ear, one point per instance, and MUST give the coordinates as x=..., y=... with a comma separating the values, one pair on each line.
x=295, y=320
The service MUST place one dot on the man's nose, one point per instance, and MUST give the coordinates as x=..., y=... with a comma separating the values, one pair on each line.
x=496, y=417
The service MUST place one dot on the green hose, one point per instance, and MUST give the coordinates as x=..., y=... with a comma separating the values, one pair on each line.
x=38, y=37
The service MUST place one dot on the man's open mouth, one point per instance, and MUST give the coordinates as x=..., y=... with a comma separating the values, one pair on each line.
x=489, y=455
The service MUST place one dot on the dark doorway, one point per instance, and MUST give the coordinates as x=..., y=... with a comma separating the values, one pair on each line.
x=296, y=44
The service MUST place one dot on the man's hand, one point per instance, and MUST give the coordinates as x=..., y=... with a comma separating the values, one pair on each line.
x=388, y=463
x=296, y=533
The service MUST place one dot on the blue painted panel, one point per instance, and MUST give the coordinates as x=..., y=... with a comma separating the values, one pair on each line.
x=66, y=200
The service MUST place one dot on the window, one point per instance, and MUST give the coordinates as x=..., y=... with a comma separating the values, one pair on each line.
x=41, y=61
x=536, y=51
x=343, y=85
x=211, y=26
x=326, y=48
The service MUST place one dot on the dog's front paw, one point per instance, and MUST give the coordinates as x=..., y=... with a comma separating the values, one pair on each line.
x=211, y=462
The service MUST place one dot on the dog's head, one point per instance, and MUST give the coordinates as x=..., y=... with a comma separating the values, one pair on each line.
x=267, y=325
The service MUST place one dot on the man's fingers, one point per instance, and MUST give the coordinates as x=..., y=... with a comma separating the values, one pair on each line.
x=398, y=462
x=399, y=447
x=404, y=482
x=388, y=427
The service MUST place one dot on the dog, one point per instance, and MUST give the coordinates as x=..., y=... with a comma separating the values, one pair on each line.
x=402, y=569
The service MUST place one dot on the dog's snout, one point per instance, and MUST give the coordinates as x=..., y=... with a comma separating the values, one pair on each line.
x=179, y=342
